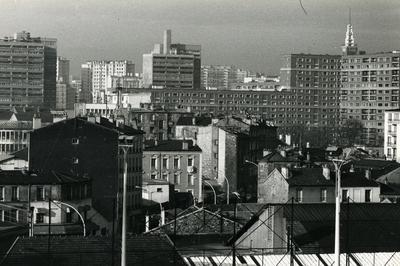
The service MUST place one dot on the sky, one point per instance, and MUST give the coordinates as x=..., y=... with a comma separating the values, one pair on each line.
x=251, y=34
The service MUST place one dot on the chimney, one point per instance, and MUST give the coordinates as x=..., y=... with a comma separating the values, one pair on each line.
x=36, y=121
x=155, y=142
x=308, y=145
x=266, y=152
x=351, y=169
x=193, y=121
x=368, y=173
x=283, y=153
x=280, y=137
x=147, y=222
x=288, y=139
x=285, y=172
x=185, y=145
x=167, y=41
x=326, y=172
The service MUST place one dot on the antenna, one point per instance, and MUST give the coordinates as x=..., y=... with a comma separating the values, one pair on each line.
x=350, y=15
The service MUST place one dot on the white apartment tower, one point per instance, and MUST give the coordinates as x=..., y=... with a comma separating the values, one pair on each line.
x=99, y=75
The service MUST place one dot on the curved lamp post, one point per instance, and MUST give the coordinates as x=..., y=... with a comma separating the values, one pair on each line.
x=72, y=207
x=215, y=194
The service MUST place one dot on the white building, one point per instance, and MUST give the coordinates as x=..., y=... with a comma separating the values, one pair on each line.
x=102, y=74
x=391, y=131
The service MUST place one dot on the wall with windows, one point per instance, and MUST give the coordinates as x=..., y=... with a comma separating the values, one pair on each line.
x=180, y=168
x=391, y=131
x=361, y=194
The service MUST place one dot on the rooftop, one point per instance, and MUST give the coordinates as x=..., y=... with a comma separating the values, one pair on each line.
x=199, y=121
x=33, y=178
x=171, y=145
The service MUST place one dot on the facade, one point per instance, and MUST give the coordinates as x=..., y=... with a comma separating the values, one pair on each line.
x=391, y=131
x=28, y=71
x=172, y=65
x=85, y=95
x=16, y=125
x=20, y=190
x=240, y=142
x=65, y=96
x=205, y=133
x=218, y=77
x=175, y=161
x=370, y=85
x=159, y=191
x=87, y=146
x=98, y=75
x=62, y=70
x=76, y=86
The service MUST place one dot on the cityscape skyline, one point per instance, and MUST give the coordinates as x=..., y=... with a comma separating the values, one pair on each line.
x=134, y=26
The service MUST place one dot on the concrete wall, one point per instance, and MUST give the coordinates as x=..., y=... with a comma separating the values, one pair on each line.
x=357, y=194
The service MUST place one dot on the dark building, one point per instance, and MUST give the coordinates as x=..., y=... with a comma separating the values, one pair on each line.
x=86, y=147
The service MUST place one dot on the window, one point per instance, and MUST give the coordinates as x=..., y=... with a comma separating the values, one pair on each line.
x=153, y=163
x=190, y=180
x=345, y=195
x=299, y=195
x=367, y=195
x=39, y=218
x=165, y=176
x=14, y=193
x=39, y=193
x=165, y=163
x=153, y=176
x=75, y=141
x=75, y=160
x=159, y=189
x=176, y=163
x=177, y=178
x=190, y=161
x=1, y=193
x=323, y=194
x=190, y=190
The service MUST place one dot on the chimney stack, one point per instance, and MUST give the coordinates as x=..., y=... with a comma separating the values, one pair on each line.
x=283, y=153
x=326, y=172
x=308, y=145
x=193, y=121
x=368, y=173
x=167, y=41
x=37, y=122
x=288, y=139
x=351, y=169
x=185, y=145
x=285, y=172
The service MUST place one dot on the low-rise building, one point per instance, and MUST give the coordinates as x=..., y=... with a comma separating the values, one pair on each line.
x=175, y=161
x=67, y=194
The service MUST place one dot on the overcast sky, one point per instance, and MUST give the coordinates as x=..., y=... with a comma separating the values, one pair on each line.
x=251, y=34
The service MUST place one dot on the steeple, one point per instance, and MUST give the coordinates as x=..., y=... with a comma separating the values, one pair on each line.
x=349, y=47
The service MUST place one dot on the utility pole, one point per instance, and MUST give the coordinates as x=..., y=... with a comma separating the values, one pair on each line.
x=338, y=164
x=49, y=232
x=291, y=234
x=125, y=149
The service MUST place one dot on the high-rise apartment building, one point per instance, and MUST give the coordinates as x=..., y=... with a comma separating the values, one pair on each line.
x=27, y=71
x=96, y=77
x=62, y=70
x=370, y=85
x=218, y=77
x=172, y=65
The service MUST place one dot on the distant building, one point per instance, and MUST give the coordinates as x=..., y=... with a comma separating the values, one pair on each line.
x=76, y=86
x=86, y=146
x=15, y=161
x=172, y=65
x=370, y=86
x=158, y=191
x=28, y=71
x=62, y=75
x=97, y=77
x=175, y=161
x=15, y=127
x=65, y=96
x=218, y=77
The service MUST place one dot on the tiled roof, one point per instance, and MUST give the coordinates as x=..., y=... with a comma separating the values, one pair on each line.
x=357, y=179
x=310, y=177
x=171, y=145
x=73, y=250
x=26, y=178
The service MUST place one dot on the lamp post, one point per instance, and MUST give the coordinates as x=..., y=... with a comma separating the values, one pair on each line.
x=125, y=148
x=338, y=163
x=215, y=194
x=72, y=207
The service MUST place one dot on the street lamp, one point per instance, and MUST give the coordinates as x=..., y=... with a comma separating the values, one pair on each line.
x=338, y=163
x=250, y=162
x=72, y=207
x=227, y=186
x=215, y=194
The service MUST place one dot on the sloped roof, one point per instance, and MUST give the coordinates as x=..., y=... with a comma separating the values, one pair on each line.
x=199, y=121
x=277, y=157
x=310, y=177
x=195, y=221
x=26, y=178
x=357, y=179
x=77, y=250
x=21, y=154
x=171, y=145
